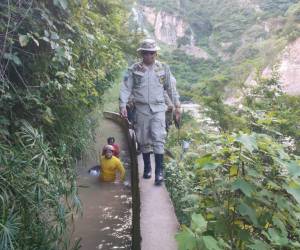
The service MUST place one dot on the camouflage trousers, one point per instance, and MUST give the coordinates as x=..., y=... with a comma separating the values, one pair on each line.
x=151, y=131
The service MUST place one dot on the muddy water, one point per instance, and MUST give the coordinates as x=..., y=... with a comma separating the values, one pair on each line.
x=106, y=220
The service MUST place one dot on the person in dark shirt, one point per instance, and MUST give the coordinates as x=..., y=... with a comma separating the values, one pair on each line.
x=116, y=150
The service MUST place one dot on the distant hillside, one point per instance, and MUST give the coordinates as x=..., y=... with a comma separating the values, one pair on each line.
x=226, y=26
x=213, y=44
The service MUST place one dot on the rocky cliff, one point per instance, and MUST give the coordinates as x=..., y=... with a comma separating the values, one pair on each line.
x=288, y=68
x=169, y=28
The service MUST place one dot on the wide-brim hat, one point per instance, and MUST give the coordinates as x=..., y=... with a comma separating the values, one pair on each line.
x=148, y=45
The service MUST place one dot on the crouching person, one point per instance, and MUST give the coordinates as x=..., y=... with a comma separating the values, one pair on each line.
x=110, y=165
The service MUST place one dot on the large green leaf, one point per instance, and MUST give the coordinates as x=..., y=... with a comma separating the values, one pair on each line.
x=259, y=245
x=293, y=168
x=12, y=57
x=245, y=210
x=198, y=224
x=210, y=243
x=207, y=163
x=294, y=189
x=244, y=186
x=280, y=225
x=186, y=239
x=23, y=40
x=248, y=141
x=204, y=160
x=252, y=172
x=220, y=226
x=283, y=203
x=295, y=244
x=277, y=238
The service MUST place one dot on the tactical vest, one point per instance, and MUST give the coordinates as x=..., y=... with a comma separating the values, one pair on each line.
x=149, y=86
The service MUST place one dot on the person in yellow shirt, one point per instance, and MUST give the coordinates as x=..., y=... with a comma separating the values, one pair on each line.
x=110, y=165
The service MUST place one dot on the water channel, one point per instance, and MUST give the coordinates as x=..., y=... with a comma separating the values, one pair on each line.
x=106, y=222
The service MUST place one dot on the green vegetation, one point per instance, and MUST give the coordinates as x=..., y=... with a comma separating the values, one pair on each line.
x=58, y=58
x=238, y=187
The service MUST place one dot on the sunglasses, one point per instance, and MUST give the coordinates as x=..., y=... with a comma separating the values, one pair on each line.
x=148, y=52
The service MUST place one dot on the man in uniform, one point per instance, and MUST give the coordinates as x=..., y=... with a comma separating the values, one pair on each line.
x=147, y=81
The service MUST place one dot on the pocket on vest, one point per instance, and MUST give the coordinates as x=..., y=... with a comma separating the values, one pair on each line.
x=161, y=77
x=138, y=78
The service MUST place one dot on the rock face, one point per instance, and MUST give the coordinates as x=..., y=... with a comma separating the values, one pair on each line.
x=289, y=68
x=273, y=24
x=168, y=28
x=253, y=4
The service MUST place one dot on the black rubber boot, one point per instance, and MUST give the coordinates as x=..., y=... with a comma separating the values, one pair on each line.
x=159, y=161
x=147, y=166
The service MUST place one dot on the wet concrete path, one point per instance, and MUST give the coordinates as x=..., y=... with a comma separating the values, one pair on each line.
x=107, y=216
x=159, y=224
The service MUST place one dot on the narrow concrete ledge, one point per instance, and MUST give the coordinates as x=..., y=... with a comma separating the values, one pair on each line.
x=159, y=224
x=136, y=233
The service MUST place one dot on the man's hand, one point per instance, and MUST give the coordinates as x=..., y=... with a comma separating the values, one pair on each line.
x=177, y=114
x=170, y=108
x=177, y=117
x=123, y=112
